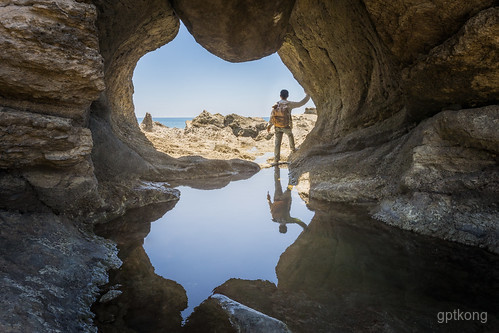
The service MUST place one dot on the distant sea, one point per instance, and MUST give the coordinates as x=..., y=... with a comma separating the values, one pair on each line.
x=176, y=122
x=169, y=121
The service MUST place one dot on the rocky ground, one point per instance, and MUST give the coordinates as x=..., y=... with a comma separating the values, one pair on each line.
x=217, y=137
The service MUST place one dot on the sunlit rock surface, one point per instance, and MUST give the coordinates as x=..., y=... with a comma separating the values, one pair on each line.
x=233, y=136
x=50, y=57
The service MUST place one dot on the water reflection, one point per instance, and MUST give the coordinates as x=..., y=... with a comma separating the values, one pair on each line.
x=348, y=273
x=280, y=209
x=212, y=236
x=148, y=302
x=343, y=272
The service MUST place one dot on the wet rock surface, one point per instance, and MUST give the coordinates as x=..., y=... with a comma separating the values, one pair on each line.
x=50, y=273
x=221, y=314
x=142, y=301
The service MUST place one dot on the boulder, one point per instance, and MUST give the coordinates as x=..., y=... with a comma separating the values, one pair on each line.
x=220, y=313
x=205, y=119
x=310, y=111
x=147, y=124
x=245, y=126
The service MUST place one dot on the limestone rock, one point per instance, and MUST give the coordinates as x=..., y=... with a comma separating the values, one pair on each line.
x=462, y=70
x=451, y=158
x=354, y=82
x=245, y=126
x=205, y=118
x=30, y=139
x=147, y=123
x=49, y=161
x=50, y=57
x=50, y=272
x=310, y=110
x=412, y=28
x=236, y=30
x=202, y=138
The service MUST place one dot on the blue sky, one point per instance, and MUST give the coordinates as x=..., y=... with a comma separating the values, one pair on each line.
x=181, y=79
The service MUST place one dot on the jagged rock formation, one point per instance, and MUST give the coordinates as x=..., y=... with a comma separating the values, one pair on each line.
x=380, y=75
x=217, y=137
x=147, y=122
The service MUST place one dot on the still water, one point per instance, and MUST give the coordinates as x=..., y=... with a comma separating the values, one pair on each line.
x=323, y=268
x=212, y=236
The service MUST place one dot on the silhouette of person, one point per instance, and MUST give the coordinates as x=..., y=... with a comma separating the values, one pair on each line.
x=281, y=207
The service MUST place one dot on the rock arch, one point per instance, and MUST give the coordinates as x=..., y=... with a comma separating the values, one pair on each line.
x=379, y=74
x=406, y=93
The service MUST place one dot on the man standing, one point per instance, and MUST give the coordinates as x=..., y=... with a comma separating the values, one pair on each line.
x=281, y=120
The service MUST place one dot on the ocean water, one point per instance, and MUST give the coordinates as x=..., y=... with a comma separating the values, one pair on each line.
x=172, y=122
x=176, y=122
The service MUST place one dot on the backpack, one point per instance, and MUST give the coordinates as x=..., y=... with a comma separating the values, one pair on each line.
x=281, y=115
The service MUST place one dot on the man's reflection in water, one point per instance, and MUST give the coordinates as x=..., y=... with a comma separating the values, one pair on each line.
x=280, y=208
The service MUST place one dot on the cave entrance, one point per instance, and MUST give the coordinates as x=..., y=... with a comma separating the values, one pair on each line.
x=178, y=81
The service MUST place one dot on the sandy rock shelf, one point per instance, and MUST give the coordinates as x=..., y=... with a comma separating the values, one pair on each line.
x=205, y=136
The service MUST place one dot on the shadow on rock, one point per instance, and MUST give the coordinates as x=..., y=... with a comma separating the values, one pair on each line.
x=136, y=299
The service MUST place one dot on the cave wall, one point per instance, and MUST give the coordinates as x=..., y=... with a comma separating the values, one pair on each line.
x=406, y=93
x=392, y=84
x=377, y=72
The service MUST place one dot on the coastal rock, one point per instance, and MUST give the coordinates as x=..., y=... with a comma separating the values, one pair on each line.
x=380, y=75
x=52, y=42
x=381, y=72
x=30, y=139
x=220, y=313
x=463, y=69
x=147, y=122
x=205, y=118
x=346, y=272
x=445, y=172
x=50, y=272
x=245, y=126
x=236, y=31
x=240, y=137
x=310, y=110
